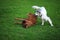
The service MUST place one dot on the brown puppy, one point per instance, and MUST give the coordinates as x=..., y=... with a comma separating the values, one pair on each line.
x=31, y=20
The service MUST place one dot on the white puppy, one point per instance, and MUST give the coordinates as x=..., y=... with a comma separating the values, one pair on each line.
x=41, y=11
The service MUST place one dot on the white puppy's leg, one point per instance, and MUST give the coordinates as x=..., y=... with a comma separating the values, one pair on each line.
x=49, y=20
x=42, y=22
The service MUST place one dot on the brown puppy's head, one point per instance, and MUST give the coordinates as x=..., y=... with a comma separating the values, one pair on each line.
x=32, y=15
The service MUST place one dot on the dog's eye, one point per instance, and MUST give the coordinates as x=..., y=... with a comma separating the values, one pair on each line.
x=37, y=11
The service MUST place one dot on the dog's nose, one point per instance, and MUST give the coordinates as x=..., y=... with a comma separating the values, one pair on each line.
x=35, y=15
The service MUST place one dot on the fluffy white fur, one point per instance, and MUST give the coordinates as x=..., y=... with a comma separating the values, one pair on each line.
x=41, y=12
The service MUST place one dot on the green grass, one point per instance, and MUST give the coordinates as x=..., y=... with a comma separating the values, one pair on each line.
x=11, y=9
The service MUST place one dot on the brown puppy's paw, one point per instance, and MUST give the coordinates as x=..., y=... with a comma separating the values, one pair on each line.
x=16, y=18
x=17, y=22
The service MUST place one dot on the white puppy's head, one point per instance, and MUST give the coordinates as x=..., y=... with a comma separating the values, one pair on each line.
x=35, y=7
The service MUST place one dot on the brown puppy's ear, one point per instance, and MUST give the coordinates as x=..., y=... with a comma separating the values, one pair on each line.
x=24, y=23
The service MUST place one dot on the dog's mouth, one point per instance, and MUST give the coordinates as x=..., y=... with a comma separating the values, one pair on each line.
x=35, y=15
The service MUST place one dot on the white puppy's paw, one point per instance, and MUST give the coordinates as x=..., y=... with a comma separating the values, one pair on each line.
x=42, y=24
x=52, y=25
